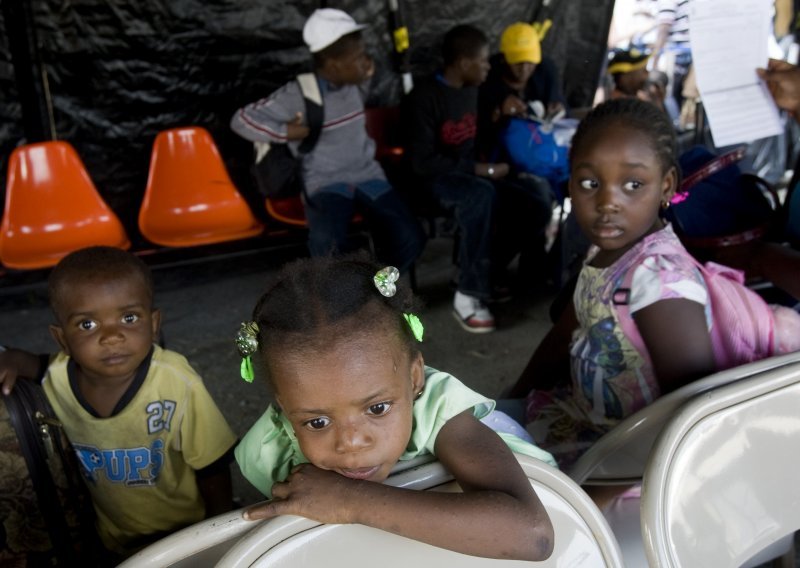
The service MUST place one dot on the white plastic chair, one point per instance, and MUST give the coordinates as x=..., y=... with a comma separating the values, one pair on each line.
x=619, y=457
x=582, y=536
x=199, y=545
x=204, y=543
x=721, y=484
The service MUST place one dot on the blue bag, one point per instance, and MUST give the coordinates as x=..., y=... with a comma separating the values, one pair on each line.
x=717, y=204
x=540, y=148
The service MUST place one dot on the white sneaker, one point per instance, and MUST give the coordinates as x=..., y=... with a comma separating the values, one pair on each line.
x=472, y=314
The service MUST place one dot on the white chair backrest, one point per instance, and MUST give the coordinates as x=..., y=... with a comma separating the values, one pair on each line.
x=721, y=483
x=201, y=544
x=582, y=536
x=204, y=543
x=619, y=457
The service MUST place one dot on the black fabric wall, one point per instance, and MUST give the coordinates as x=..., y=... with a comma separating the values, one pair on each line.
x=120, y=71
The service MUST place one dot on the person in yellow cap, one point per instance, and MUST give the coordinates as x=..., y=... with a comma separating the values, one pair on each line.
x=519, y=75
x=630, y=77
x=628, y=68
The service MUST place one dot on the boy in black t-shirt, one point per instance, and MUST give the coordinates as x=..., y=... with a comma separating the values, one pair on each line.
x=494, y=214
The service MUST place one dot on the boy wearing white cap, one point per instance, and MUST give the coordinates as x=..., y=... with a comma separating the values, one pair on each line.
x=340, y=173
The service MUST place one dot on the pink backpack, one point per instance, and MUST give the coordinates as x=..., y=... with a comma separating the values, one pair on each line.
x=742, y=322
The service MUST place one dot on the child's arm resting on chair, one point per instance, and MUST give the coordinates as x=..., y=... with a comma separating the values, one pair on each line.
x=497, y=494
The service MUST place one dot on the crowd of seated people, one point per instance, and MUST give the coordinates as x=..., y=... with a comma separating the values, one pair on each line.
x=336, y=335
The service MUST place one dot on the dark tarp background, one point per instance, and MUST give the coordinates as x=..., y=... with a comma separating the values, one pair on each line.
x=120, y=71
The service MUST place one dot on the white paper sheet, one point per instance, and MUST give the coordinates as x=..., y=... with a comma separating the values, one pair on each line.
x=729, y=40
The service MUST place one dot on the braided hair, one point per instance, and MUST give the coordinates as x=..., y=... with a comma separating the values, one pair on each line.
x=636, y=114
x=316, y=302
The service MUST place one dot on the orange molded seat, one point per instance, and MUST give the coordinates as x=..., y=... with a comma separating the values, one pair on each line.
x=287, y=210
x=290, y=210
x=190, y=199
x=383, y=126
x=52, y=208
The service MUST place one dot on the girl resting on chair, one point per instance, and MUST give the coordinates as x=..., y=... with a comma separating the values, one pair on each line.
x=353, y=397
x=623, y=173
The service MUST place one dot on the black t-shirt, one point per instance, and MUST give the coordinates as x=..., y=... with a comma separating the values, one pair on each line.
x=441, y=126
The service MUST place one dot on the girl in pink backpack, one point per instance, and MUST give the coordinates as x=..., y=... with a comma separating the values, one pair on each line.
x=646, y=317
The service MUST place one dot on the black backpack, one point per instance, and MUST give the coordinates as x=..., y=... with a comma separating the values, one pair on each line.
x=277, y=172
x=45, y=509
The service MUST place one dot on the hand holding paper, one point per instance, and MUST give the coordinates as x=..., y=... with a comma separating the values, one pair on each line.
x=783, y=81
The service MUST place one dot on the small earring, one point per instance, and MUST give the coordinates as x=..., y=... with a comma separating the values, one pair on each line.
x=665, y=204
x=419, y=394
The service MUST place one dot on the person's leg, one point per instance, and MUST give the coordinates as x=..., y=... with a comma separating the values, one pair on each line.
x=472, y=201
x=523, y=211
x=399, y=238
x=328, y=215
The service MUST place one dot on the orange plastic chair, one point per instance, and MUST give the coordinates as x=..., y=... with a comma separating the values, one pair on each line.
x=383, y=126
x=190, y=200
x=287, y=210
x=52, y=208
x=290, y=210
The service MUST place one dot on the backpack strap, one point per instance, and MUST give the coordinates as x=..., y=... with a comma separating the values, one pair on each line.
x=621, y=296
x=312, y=96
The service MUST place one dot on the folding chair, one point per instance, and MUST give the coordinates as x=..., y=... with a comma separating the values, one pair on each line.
x=52, y=208
x=190, y=200
x=582, y=536
x=720, y=488
x=620, y=456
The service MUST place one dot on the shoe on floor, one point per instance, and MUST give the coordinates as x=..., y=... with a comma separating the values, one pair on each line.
x=472, y=314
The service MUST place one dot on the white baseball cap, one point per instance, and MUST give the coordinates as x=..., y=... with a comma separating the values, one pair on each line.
x=325, y=26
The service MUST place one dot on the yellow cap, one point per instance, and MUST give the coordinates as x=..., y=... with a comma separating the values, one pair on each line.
x=520, y=43
x=627, y=60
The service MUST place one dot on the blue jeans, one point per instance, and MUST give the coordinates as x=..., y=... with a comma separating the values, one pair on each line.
x=471, y=200
x=497, y=219
x=399, y=238
x=523, y=211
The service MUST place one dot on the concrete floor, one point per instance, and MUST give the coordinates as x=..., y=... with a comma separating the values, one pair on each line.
x=203, y=304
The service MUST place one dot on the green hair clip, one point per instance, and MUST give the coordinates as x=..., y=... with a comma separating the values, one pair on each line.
x=247, y=345
x=416, y=326
x=385, y=280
